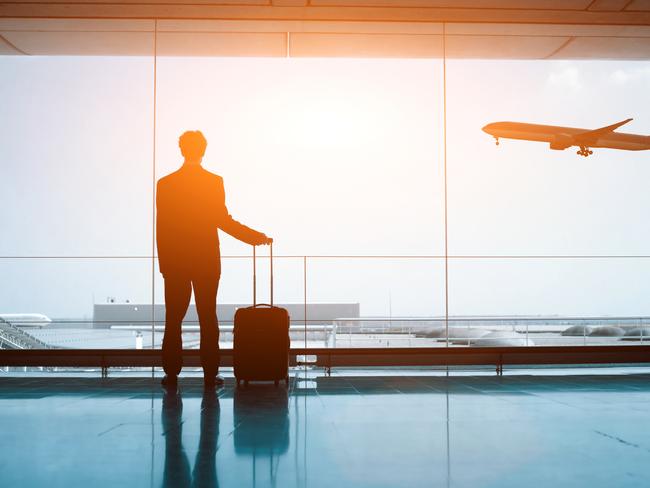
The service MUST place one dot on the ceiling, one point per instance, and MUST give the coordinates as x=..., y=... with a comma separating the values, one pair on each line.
x=502, y=29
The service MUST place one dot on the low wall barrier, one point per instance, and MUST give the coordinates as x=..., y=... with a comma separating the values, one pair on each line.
x=329, y=358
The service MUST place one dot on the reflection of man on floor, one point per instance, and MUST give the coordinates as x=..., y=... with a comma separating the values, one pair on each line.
x=176, y=472
x=191, y=206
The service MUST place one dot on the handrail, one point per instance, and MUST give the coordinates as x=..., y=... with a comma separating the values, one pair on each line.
x=359, y=256
x=397, y=318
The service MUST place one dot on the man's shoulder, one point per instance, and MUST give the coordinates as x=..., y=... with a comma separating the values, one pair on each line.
x=211, y=175
x=168, y=178
x=181, y=176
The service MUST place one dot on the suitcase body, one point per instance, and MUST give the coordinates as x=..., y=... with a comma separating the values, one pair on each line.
x=261, y=339
x=261, y=344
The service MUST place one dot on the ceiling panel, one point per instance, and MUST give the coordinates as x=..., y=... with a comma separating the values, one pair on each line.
x=606, y=48
x=148, y=2
x=84, y=25
x=638, y=6
x=299, y=26
x=82, y=43
x=488, y=4
x=608, y=5
x=222, y=44
x=7, y=49
x=290, y=3
x=570, y=30
x=365, y=45
x=503, y=47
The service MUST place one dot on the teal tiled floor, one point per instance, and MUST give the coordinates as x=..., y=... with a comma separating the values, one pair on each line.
x=348, y=431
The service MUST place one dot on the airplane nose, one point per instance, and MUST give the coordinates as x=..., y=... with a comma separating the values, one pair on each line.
x=486, y=128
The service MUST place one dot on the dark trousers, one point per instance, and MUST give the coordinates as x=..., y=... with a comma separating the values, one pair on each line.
x=178, y=291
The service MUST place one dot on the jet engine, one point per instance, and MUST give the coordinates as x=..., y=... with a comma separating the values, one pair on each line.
x=562, y=141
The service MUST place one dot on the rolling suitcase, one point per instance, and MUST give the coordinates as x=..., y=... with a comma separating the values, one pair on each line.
x=261, y=339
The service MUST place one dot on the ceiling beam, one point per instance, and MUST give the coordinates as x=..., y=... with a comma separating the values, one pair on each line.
x=287, y=10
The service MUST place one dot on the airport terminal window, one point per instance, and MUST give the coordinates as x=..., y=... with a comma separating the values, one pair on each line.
x=342, y=161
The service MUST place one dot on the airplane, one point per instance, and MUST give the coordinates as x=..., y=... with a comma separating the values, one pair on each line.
x=26, y=319
x=560, y=138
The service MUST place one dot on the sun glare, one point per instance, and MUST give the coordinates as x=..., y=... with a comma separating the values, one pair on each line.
x=340, y=145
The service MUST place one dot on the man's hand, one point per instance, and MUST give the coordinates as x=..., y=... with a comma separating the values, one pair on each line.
x=263, y=240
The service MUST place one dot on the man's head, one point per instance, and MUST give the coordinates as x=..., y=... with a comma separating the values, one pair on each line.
x=192, y=144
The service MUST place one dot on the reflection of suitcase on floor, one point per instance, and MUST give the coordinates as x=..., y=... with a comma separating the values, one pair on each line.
x=261, y=430
x=261, y=420
x=261, y=339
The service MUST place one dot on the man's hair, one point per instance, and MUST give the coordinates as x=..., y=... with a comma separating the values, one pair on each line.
x=192, y=144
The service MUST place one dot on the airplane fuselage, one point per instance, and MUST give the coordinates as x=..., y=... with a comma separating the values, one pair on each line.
x=26, y=319
x=562, y=137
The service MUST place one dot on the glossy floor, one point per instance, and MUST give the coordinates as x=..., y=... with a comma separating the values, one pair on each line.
x=343, y=431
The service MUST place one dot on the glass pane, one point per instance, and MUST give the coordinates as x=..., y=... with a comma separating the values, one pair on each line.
x=328, y=156
x=522, y=197
x=549, y=301
x=397, y=299
x=76, y=150
x=76, y=303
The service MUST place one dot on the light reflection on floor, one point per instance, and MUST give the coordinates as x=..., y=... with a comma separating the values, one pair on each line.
x=358, y=430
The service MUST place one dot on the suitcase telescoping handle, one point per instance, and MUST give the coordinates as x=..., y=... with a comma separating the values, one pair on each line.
x=255, y=274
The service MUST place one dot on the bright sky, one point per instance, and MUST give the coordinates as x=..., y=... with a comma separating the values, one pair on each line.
x=328, y=156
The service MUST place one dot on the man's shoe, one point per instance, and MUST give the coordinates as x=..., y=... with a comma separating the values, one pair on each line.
x=170, y=381
x=213, y=381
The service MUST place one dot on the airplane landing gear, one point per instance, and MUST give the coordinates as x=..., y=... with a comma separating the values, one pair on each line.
x=496, y=140
x=584, y=151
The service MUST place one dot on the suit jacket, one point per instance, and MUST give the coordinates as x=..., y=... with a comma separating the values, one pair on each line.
x=191, y=206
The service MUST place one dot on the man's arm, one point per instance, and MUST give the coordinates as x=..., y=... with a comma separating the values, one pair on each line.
x=161, y=228
x=234, y=228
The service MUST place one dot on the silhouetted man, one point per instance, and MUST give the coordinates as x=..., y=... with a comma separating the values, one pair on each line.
x=191, y=206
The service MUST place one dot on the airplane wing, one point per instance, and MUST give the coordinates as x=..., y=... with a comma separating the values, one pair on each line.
x=593, y=135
